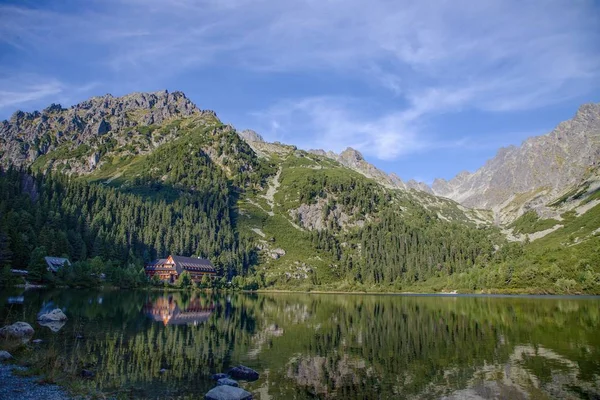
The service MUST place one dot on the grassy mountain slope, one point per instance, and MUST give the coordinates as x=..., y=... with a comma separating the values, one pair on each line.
x=276, y=216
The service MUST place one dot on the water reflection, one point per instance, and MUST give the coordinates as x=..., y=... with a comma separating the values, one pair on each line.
x=173, y=310
x=330, y=347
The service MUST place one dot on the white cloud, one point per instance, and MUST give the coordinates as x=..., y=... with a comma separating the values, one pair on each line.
x=18, y=90
x=436, y=56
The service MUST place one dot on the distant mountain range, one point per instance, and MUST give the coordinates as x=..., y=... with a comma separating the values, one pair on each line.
x=316, y=217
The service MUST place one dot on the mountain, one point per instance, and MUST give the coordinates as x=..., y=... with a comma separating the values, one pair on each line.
x=535, y=174
x=121, y=180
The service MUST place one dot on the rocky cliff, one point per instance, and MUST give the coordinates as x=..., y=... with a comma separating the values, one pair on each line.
x=533, y=174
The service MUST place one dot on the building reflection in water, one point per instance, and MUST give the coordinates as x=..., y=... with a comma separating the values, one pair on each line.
x=172, y=310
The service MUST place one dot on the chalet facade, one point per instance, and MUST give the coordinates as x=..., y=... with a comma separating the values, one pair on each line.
x=56, y=263
x=170, y=268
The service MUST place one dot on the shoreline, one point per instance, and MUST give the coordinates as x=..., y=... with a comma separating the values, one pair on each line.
x=427, y=294
x=16, y=386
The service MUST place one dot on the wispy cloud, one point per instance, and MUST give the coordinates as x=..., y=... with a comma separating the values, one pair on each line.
x=27, y=89
x=19, y=90
x=430, y=56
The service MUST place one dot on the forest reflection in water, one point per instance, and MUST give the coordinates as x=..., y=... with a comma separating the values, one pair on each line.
x=326, y=346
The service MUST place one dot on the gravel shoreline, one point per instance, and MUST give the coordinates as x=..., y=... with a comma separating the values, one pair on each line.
x=26, y=388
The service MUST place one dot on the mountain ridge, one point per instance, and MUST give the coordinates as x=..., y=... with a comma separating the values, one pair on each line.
x=550, y=163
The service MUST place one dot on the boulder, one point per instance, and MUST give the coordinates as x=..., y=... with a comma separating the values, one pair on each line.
x=37, y=341
x=244, y=373
x=54, y=315
x=228, y=382
x=18, y=330
x=5, y=355
x=218, y=376
x=228, y=393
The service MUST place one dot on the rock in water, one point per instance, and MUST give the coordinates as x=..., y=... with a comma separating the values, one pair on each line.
x=244, y=373
x=18, y=330
x=228, y=393
x=54, y=315
x=228, y=382
x=54, y=326
x=218, y=376
x=5, y=355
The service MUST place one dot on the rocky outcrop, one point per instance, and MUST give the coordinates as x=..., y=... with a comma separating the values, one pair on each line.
x=17, y=331
x=27, y=136
x=54, y=315
x=354, y=160
x=250, y=136
x=538, y=170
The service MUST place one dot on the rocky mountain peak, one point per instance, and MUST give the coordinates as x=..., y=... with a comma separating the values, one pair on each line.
x=27, y=136
x=351, y=156
x=251, y=136
x=537, y=171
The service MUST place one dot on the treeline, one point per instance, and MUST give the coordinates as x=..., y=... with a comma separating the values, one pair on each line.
x=81, y=221
x=405, y=248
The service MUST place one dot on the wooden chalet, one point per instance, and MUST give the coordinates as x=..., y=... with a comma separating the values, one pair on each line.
x=56, y=263
x=168, y=269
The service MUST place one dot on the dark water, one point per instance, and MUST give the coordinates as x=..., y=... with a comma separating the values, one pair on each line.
x=325, y=346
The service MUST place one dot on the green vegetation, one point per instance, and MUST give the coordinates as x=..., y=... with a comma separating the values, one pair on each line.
x=530, y=222
x=193, y=187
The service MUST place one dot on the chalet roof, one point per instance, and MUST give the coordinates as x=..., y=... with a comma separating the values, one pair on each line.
x=192, y=264
x=54, y=263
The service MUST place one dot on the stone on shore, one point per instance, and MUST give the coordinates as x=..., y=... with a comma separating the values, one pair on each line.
x=54, y=315
x=18, y=330
x=220, y=375
x=228, y=382
x=5, y=355
x=244, y=373
x=228, y=393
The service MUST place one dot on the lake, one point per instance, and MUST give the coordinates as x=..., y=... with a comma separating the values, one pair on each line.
x=323, y=345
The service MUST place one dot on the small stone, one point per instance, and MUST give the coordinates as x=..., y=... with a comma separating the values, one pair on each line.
x=5, y=355
x=228, y=382
x=228, y=393
x=244, y=373
x=218, y=376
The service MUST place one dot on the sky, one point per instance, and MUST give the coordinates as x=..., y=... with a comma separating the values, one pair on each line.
x=424, y=89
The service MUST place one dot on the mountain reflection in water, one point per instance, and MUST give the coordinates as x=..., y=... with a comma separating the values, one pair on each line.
x=172, y=310
x=308, y=346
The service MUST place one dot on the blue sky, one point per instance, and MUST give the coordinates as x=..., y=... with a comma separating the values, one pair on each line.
x=422, y=88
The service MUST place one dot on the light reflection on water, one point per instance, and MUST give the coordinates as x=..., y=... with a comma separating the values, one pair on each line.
x=326, y=346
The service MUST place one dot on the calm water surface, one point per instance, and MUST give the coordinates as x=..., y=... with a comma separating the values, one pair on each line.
x=325, y=346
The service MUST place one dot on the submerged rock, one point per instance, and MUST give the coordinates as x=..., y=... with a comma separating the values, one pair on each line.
x=228, y=393
x=54, y=326
x=244, y=373
x=54, y=315
x=18, y=330
x=227, y=382
x=5, y=355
